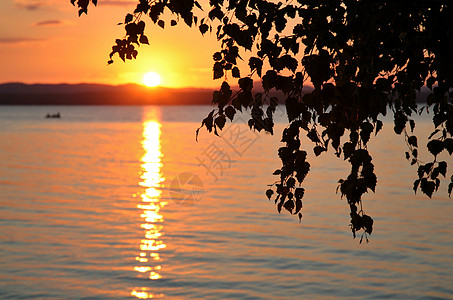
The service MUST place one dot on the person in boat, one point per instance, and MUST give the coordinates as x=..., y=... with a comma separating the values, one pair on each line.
x=57, y=115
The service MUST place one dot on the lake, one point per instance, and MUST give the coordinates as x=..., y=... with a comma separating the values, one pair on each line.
x=122, y=203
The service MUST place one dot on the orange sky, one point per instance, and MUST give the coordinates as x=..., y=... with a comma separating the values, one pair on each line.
x=44, y=41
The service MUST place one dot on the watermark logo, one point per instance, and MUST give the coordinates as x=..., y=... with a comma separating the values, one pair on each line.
x=186, y=189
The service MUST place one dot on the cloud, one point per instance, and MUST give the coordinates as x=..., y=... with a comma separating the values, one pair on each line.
x=12, y=41
x=118, y=2
x=30, y=5
x=39, y=4
x=51, y=23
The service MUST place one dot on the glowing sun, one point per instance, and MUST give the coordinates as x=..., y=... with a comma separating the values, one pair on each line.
x=151, y=79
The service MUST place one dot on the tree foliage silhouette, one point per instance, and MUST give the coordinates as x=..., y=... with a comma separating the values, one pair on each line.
x=364, y=58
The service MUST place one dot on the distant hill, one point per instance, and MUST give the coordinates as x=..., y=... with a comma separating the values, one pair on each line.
x=102, y=94
x=99, y=94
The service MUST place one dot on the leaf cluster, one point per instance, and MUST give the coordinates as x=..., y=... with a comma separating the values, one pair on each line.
x=83, y=5
x=363, y=59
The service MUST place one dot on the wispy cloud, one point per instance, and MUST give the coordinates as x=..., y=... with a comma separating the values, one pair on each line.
x=12, y=41
x=39, y=4
x=52, y=23
x=117, y=2
x=30, y=5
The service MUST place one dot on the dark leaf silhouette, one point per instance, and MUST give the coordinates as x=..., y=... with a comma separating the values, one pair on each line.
x=256, y=63
x=416, y=184
x=435, y=147
x=203, y=28
x=220, y=121
x=144, y=39
x=289, y=205
x=318, y=150
x=298, y=206
x=442, y=168
x=313, y=136
x=217, y=56
x=291, y=182
x=230, y=112
x=365, y=132
x=367, y=223
x=448, y=144
x=412, y=124
x=299, y=193
x=246, y=83
x=427, y=187
x=235, y=72
x=412, y=140
x=269, y=193
x=218, y=70
x=128, y=18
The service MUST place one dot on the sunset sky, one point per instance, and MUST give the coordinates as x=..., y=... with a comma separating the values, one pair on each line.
x=44, y=41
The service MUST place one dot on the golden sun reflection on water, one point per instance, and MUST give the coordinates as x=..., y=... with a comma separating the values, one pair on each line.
x=148, y=259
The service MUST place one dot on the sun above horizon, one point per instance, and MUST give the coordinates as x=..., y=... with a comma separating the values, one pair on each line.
x=151, y=79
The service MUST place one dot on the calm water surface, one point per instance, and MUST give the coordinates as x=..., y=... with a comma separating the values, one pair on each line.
x=123, y=203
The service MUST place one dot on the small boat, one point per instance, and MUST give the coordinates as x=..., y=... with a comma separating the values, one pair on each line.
x=57, y=115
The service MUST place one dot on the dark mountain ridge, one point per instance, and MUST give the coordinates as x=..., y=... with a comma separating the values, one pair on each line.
x=99, y=94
